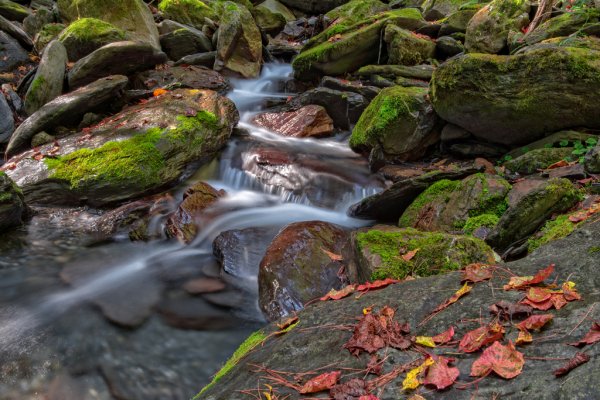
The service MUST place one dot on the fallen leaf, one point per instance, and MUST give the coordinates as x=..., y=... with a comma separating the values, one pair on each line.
x=535, y=322
x=375, y=366
x=444, y=337
x=439, y=374
x=477, y=338
x=576, y=361
x=426, y=341
x=322, y=382
x=520, y=282
x=477, y=272
x=569, y=291
x=410, y=255
x=591, y=337
x=539, y=294
x=459, y=293
x=377, y=284
x=332, y=256
x=524, y=337
x=508, y=311
x=411, y=381
x=558, y=164
x=352, y=389
x=506, y=361
x=335, y=38
x=159, y=92
x=287, y=323
x=338, y=294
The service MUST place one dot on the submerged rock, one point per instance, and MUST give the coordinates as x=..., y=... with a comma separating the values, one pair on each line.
x=307, y=121
x=12, y=203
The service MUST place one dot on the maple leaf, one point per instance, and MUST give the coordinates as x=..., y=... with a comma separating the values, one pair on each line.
x=377, y=284
x=569, y=291
x=558, y=164
x=444, y=337
x=439, y=374
x=524, y=337
x=576, y=361
x=477, y=338
x=535, y=322
x=591, y=337
x=506, y=361
x=410, y=255
x=521, y=282
x=338, y=294
x=411, y=381
x=507, y=311
x=322, y=382
x=477, y=272
x=332, y=256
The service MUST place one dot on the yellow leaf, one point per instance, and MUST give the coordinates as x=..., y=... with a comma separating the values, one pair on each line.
x=426, y=341
x=411, y=381
x=367, y=310
x=524, y=337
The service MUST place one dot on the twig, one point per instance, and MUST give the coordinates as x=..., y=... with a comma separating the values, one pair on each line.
x=583, y=319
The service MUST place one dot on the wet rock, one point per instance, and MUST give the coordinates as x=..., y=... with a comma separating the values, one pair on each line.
x=13, y=54
x=12, y=204
x=183, y=42
x=307, y=121
x=299, y=30
x=298, y=267
x=13, y=11
x=87, y=35
x=368, y=92
x=313, y=6
x=380, y=251
x=239, y=46
x=466, y=91
x=49, y=77
x=526, y=215
x=398, y=125
x=131, y=16
x=7, y=121
x=67, y=387
x=535, y=160
x=592, y=159
x=66, y=109
x=185, y=221
x=193, y=77
x=16, y=32
x=202, y=59
x=204, y=285
x=184, y=312
x=447, y=46
x=114, y=59
x=142, y=150
x=406, y=48
x=389, y=204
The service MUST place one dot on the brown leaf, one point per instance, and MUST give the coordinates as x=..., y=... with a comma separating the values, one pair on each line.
x=477, y=272
x=444, y=337
x=505, y=361
x=377, y=284
x=350, y=390
x=508, y=311
x=410, y=255
x=338, y=294
x=521, y=282
x=591, y=337
x=335, y=38
x=579, y=359
x=477, y=338
x=332, y=256
x=287, y=323
x=322, y=382
x=558, y=164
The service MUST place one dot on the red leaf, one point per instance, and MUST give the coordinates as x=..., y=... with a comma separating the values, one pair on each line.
x=539, y=294
x=521, y=282
x=376, y=284
x=591, y=337
x=322, y=382
x=332, y=256
x=505, y=361
x=507, y=311
x=440, y=374
x=477, y=272
x=410, y=255
x=535, y=322
x=579, y=359
x=558, y=164
x=368, y=397
x=477, y=338
x=444, y=337
x=524, y=337
x=338, y=294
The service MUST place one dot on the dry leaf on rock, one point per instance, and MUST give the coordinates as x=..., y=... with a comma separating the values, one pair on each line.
x=591, y=337
x=322, y=382
x=508, y=311
x=506, y=361
x=353, y=389
x=521, y=282
x=439, y=374
x=579, y=359
x=477, y=272
x=338, y=294
x=477, y=338
x=377, y=284
x=444, y=337
x=535, y=322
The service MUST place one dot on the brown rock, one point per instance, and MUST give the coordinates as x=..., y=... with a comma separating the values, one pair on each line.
x=311, y=120
x=191, y=76
x=204, y=285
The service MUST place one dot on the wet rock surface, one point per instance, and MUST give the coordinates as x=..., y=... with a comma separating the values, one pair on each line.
x=307, y=121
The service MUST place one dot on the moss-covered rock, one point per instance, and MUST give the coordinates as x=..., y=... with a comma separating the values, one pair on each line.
x=407, y=48
x=12, y=203
x=13, y=11
x=277, y=8
x=355, y=11
x=456, y=22
x=473, y=224
x=592, y=160
x=532, y=210
x=488, y=30
x=380, y=252
x=183, y=42
x=49, y=77
x=189, y=12
x=534, y=160
x=515, y=100
x=269, y=21
x=142, y=150
x=557, y=228
x=48, y=33
x=438, y=9
x=344, y=48
x=399, y=124
x=88, y=34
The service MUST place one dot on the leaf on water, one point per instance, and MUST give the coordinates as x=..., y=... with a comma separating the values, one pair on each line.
x=535, y=322
x=332, y=256
x=506, y=361
x=579, y=359
x=322, y=382
x=477, y=338
x=521, y=282
x=444, y=337
x=410, y=255
x=477, y=272
x=591, y=337
x=338, y=294
x=377, y=284
x=439, y=374
x=411, y=381
x=426, y=341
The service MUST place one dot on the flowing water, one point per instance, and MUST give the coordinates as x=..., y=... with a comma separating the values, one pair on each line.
x=55, y=339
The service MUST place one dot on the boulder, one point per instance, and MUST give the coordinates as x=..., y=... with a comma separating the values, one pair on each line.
x=535, y=160
x=421, y=72
x=192, y=77
x=313, y=7
x=239, y=46
x=304, y=261
x=406, y=47
x=380, y=250
x=86, y=35
x=119, y=58
x=447, y=46
x=356, y=10
x=142, y=150
x=16, y=32
x=307, y=121
x=48, y=33
x=434, y=10
x=12, y=204
x=49, y=78
x=202, y=59
x=592, y=159
x=276, y=7
x=13, y=11
x=398, y=125
x=131, y=16
x=188, y=12
x=183, y=42
x=456, y=22
x=13, y=55
x=341, y=49
x=368, y=92
x=66, y=109
x=530, y=211
x=488, y=30
x=493, y=96
x=268, y=21
x=7, y=121
x=34, y=22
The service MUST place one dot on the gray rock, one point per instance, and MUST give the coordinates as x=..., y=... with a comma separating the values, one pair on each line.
x=447, y=46
x=456, y=22
x=12, y=204
x=12, y=98
x=13, y=54
x=35, y=22
x=183, y=42
x=452, y=132
x=64, y=109
x=203, y=59
x=49, y=78
x=41, y=139
x=13, y=11
x=119, y=58
x=7, y=121
x=16, y=32
x=368, y=92
x=592, y=160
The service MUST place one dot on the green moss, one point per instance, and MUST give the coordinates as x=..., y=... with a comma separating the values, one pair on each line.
x=187, y=11
x=558, y=228
x=594, y=250
x=440, y=190
x=249, y=344
x=87, y=29
x=483, y=220
x=37, y=83
x=488, y=203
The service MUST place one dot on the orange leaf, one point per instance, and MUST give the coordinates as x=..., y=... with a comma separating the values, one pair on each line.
x=558, y=164
x=521, y=282
x=477, y=338
x=322, y=382
x=410, y=255
x=159, y=92
x=538, y=294
x=524, y=337
x=332, y=256
x=338, y=294
x=477, y=272
x=376, y=284
x=444, y=337
x=591, y=337
x=505, y=361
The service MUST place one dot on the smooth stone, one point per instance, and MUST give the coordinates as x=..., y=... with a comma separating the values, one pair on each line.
x=16, y=32
x=13, y=54
x=49, y=78
x=7, y=121
x=201, y=59
x=183, y=42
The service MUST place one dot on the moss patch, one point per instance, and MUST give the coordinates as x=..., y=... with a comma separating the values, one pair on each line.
x=439, y=191
x=483, y=220
x=190, y=12
x=558, y=228
x=86, y=29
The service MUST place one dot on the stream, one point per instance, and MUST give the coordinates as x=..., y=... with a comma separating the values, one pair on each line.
x=56, y=341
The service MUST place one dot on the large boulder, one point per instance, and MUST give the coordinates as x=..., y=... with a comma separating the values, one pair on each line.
x=86, y=35
x=239, y=46
x=406, y=47
x=488, y=30
x=49, y=78
x=494, y=97
x=189, y=12
x=131, y=16
x=313, y=6
x=398, y=125
x=276, y=7
x=142, y=150
x=12, y=204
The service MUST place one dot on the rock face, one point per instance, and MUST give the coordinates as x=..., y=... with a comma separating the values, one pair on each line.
x=487, y=31
x=139, y=151
x=314, y=6
x=190, y=77
x=494, y=97
x=308, y=121
x=86, y=35
x=7, y=121
x=239, y=47
x=406, y=48
x=12, y=204
x=131, y=16
x=398, y=125
x=49, y=78
x=65, y=109
x=115, y=59
x=302, y=262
